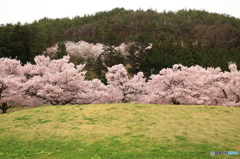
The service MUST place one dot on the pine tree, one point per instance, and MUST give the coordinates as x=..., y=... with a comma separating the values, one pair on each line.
x=110, y=54
x=61, y=50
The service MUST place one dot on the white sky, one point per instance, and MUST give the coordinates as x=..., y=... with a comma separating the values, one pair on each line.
x=13, y=11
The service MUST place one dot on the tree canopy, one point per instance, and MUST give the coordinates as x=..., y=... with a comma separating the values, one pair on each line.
x=189, y=36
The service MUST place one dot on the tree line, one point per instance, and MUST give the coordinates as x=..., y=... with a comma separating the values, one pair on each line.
x=60, y=82
x=190, y=37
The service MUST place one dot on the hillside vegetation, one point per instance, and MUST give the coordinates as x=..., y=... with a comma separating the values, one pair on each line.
x=188, y=37
x=120, y=131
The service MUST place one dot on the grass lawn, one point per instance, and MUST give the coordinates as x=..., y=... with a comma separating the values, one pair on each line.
x=119, y=131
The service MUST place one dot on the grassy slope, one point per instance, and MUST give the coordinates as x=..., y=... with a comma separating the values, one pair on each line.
x=120, y=131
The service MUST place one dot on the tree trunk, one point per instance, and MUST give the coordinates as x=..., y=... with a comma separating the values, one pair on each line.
x=4, y=107
x=175, y=101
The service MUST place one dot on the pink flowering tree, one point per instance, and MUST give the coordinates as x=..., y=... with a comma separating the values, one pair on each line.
x=80, y=52
x=84, y=49
x=54, y=81
x=94, y=92
x=128, y=88
x=11, y=80
x=59, y=82
x=233, y=86
x=226, y=85
x=182, y=85
x=51, y=51
x=76, y=50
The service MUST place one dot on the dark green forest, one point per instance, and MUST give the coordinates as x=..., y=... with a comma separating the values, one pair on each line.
x=190, y=37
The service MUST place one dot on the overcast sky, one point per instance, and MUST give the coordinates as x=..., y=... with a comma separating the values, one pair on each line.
x=13, y=11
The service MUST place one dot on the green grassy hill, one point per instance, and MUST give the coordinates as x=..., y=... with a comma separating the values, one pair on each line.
x=119, y=131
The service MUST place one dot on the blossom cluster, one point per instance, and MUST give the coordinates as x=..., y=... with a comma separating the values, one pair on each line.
x=60, y=82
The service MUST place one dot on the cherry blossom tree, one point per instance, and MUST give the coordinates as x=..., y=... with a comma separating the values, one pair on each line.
x=130, y=88
x=233, y=86
x=55, y=81
x=59, y=82
x=93, y=92
x=114, y=94
x=11, y=79
x=75, y=50
x=88, y=50
x=227, y=85
x=179, y=85
x=51, y=51
x=182, y=85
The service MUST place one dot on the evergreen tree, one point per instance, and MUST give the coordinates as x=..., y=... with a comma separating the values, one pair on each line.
x=39, y=38
x=111, y=55
x=156, y=60
x=100, y=69
x=132, y=60
x=61, y=50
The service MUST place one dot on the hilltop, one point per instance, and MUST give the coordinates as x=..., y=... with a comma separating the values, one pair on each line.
x=189, y=36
